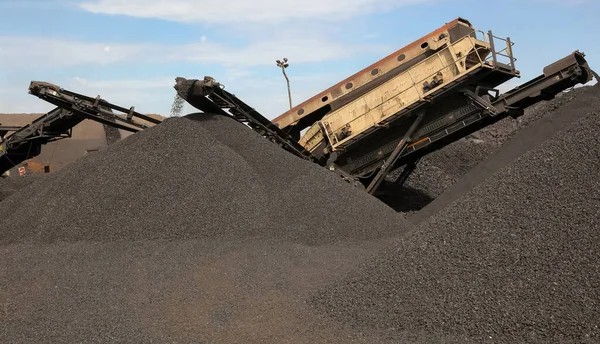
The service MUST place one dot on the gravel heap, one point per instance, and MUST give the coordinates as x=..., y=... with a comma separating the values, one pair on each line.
x=193, y=231
x=200, y=231
x=207, y=177
x=514, y=260
x=442, y=169
x=529, y=137
x=12, y=184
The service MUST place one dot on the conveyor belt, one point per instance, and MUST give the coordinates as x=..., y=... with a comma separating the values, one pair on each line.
x=209, y=96
x=557, y=77
x=5, y=129
x=480, y=111
x=27, y=141
x=96, y=109
x=72, y=108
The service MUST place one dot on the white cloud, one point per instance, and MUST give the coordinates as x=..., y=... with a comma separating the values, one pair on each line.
x=269, y=96
x=120, y=85
x=16, y=100
x=147, y=95
x=48, y=53
x=264, y=53
x=155, y=95
x=238, y=11
x=301, y=45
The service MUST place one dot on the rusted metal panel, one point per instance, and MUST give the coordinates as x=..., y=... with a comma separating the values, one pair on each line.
x=383, y=104
x=364, y=76
x=470, y=117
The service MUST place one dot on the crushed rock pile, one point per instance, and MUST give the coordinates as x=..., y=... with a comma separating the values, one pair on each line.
x=195, y=230
x=514, y=260
x=12, y=184
x=526, y=139
x=198, y=230
x=194, y=177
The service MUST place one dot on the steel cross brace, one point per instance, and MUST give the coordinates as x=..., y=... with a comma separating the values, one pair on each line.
x=389, y=162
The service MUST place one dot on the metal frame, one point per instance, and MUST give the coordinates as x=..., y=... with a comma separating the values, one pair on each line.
x=72, y=108
x=571, y=70
x=391, y=160
x=48, y=127
x=96, y=109
x=485, y=65
x=210, y=96
x=196, y=92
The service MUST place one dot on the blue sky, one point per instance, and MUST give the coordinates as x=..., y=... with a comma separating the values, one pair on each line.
x=130, y=51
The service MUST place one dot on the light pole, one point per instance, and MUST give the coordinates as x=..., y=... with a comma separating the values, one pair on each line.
x=283, y=65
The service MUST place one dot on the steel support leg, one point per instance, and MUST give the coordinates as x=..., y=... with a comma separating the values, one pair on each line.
x=389, y=162
x=486, y=105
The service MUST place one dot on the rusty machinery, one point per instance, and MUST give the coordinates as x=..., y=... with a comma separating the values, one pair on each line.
x=389, y=115
x=72, y=108
x=418, y=99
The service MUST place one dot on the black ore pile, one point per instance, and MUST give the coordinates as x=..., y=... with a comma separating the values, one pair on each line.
x=439, y=170
x=193, y=177
x=515, y=260
x=193, y=231
x=12, y=184
x=526, y=139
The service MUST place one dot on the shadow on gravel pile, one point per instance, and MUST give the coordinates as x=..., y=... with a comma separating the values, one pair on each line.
x=514, y=260
x=526, y=139
x=439, y=170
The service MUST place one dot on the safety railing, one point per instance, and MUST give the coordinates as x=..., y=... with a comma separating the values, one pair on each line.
x=506, y=52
